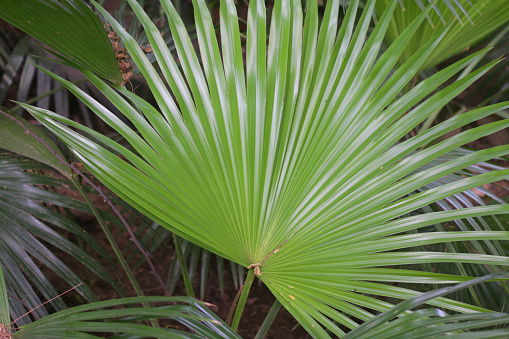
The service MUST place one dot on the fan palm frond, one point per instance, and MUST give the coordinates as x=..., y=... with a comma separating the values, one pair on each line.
x=485, y=18
x=291, y=164
x=85, y=45
x=32, y=227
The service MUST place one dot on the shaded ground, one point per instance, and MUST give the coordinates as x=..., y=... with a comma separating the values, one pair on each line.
x=257, y=307
x=258, y=304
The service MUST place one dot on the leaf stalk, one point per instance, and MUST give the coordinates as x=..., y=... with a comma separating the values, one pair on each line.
x=183, y=267
x=269, y=319
x=242, y=300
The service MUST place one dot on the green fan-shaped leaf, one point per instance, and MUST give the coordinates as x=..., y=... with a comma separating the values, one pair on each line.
x=433, y=322
x=70, y=28
x=82, y=321
x=27, y=227
x=485, y=17
x=291, y=162
x=14, y=137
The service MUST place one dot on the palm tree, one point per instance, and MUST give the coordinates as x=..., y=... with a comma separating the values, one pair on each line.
x=295, y=161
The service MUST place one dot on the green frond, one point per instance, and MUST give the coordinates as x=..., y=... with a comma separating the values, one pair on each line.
x=70, y=28
x=289, y=161
x=483, y=18
x=110, y=317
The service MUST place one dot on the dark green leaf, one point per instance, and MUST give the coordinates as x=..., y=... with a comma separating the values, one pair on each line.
x=70, y=28
x=14, y=137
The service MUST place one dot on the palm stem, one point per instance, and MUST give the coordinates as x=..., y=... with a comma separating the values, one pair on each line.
x=242, y=300
x=183, y=266
x=268, y=320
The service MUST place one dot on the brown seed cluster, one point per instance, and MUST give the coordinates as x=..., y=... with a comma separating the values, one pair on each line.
x=146, y=49
x=124, y=60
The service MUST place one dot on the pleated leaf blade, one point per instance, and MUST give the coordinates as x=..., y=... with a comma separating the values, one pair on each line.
x=292, y=165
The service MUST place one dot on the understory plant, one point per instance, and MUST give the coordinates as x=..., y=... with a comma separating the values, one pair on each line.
x=469, y=22
x=294, y=156
x=95, y=317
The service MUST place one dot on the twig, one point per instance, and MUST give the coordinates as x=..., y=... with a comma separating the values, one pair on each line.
x=108, y=201
x=242, y=299
x=229, y=317
x=21, y=302
x=47, y=301
x=262, y=332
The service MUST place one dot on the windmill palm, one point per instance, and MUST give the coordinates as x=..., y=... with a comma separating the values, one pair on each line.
x=293, y=165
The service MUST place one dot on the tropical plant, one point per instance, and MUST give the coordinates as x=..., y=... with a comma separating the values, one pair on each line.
x=290, y=161
x=24, y=220
x=494, y=86
x=469, y=25
x=27, y=226
x=22, y=52
x=79, y=322
x=72, y=29
x=428, y=322
x=293, y=166
x=86, y=45
x=25, y=183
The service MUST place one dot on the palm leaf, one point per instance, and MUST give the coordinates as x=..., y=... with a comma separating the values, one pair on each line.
x=26, y=235
x=70, y=28
x=4, y=307
x=80, y=321
x=14, y=59
x=484, y=19
x=28, y=226
x=481, y=295
x=432, y=322
x=292, y=166
x=493, y=87
x=15, y=139
x=460, y=10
